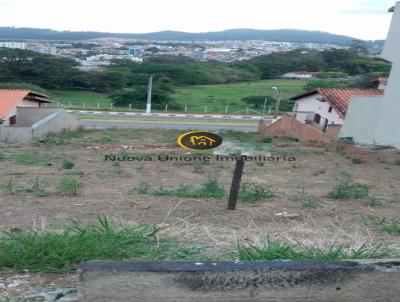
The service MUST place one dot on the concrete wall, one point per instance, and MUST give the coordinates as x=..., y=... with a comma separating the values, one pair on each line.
x=289, y=126
x=15, y=134
x=361, y=119
x=391, y=49
x=388, y=125
x=377, y=120
x=63, y=122
x=29, y=116
x=56, y=121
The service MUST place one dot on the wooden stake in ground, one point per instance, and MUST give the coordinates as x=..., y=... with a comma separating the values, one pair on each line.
x=235, y=187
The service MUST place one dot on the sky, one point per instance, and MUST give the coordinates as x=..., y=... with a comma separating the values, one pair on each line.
x=363, y=19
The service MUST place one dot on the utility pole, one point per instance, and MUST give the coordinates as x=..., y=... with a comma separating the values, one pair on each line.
x=150, y=90
x=278, y=96
x=265, y=105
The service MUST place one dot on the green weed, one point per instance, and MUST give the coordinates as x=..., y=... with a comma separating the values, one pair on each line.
x=68, y=186
x=66, y=164
x=389, y=226
x=275, y=250
x=253, y=193
x=346, y=188
x=65, y=249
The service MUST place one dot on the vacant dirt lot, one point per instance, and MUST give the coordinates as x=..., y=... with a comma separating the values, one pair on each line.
x=39, y=183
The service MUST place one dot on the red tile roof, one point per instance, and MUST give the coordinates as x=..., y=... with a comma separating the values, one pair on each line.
x=340, y=98
x=9, y=99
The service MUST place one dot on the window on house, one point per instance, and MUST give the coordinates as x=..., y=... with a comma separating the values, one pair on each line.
x=317, y=118
x=330, y=109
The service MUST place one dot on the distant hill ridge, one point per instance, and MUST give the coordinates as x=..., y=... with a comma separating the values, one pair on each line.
x=279, y=35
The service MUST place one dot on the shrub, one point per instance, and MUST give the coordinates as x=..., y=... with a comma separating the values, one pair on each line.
x=66, y=164
x=49, y=140
x=346, y=140
x=357, y=160
x=306, y=200
x=346, y=188
x=267, y=140
x=253, y=193
x=68, y=186
x=38, y=189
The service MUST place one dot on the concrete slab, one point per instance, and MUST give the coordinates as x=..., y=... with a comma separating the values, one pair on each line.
x=304, y=281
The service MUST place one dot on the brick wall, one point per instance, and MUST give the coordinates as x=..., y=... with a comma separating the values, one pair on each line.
x=289, y=126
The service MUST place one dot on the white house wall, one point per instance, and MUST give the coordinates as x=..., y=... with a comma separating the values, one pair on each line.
x=311, y=104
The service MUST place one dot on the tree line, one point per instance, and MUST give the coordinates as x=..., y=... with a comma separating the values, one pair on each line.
x=126, y=81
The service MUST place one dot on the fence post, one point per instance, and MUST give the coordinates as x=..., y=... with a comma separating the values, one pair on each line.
x=235, y=187
x=98, y=105
x=185, y=108
x=130, y=106
x=166, y=108
x=247, y=110
x=226, y=109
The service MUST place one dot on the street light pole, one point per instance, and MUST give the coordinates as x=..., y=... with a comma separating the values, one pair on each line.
x=149, y=92
x=277, y=94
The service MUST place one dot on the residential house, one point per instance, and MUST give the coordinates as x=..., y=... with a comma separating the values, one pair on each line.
x=23, y=118
x=327, y=106
x=300, y=75
x=12, y=99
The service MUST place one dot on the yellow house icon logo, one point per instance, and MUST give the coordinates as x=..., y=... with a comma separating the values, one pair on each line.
x=199, y=140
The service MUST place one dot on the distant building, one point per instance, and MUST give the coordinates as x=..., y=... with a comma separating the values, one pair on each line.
x=44, y=49
x=14, y=45
x=327, y=106
x=199, y=56
x=134, y=52
x=300, y=75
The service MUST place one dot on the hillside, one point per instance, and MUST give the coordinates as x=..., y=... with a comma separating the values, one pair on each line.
x=287, y=35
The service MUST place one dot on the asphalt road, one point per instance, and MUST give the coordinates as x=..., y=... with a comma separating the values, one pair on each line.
x=101, y=120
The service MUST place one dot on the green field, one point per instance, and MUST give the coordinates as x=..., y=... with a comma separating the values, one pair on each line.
x=79, y=98
x=215, y=97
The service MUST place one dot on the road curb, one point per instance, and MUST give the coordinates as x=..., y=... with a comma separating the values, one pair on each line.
x=258, y=117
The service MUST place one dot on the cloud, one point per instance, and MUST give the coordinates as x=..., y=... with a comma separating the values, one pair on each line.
x=370, y=7
x=366, y=19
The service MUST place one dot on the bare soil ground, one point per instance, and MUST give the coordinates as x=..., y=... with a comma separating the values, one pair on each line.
x=106, y=189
